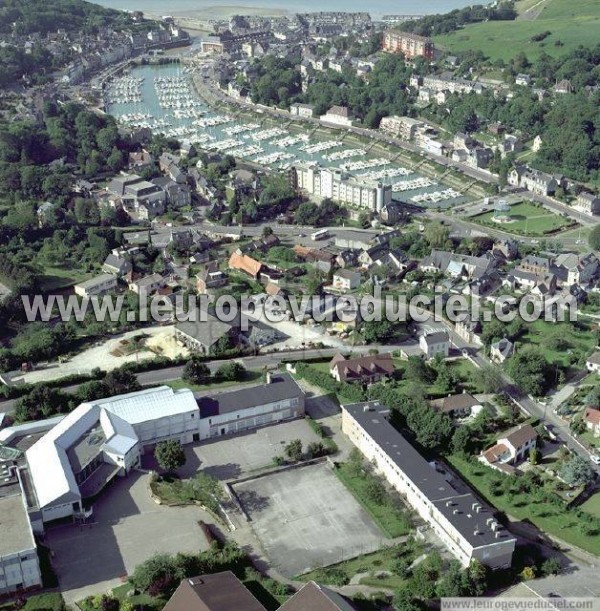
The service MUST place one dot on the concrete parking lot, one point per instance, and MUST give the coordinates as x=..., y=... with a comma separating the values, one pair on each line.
x=128, y=527
x=231, y=457
x=306, y=518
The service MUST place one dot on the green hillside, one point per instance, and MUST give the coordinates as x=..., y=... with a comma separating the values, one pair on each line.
x=569, y=22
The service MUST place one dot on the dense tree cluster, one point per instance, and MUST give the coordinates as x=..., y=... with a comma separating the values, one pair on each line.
x=30, y=16
x=276, y=82
x=72, y=137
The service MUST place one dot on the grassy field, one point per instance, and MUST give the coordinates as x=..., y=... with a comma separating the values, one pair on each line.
x=571, y=23
x=528, y=219
x=40, y=602
x=592, y=505
x=58, y=278
x=554, y=520
x=393, y=521
x=578, y=342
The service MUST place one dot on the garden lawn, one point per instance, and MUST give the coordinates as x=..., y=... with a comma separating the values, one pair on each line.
x=557, y=521
x=528, y=219
x=592, y=505
x=580, y=342
x=392, y=520
x=41, y=602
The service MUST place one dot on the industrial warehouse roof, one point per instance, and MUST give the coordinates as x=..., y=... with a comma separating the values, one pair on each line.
x=281, y=387
x=469, y=516
x=90, y=428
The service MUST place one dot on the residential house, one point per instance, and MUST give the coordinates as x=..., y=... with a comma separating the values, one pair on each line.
x=168, y=163
x=512, y=448
x=537, y=144
x=346, y=280
x=577, y=269
x=469, y=330
x=533, y=180
x=457, y=406
x=178, y=195
x=115, y=264
x=213, y=592
x=434, y=343
x=210, y=278
x=337, y=115
x=244, y=263
x=591, y=417
x=509, y=249
x=540, y=266
x=404, y=128
x=458, y=266
x=140, y=159
x=314, y=597
x=563, y=86
x=592, y=363
x=524, y=80
x=148, y=284
x=302, y=110
x=588, y=203
x=501, y=350
x=98, y=285
x=365, y=369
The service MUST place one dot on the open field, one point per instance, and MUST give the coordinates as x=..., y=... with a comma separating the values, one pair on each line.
x=528, y=219
x=571, y=23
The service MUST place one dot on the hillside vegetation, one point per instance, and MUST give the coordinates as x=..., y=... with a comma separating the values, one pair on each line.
x=567, y=24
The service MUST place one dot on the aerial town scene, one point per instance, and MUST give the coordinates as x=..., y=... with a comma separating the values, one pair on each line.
x=299, y=305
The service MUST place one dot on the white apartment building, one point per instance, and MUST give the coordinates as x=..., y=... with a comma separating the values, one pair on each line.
x=343, y=188
x=96, y=286
x=401, y=127
x=305, y=111
x=19, y=564
x=466, y=525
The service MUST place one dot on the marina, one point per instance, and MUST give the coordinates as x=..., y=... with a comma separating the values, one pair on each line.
x=163, y=99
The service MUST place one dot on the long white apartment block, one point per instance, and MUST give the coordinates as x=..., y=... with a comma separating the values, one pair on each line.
x=466, y=525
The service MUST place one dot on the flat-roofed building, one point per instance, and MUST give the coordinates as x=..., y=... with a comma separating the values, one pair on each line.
x=19, y=564
x=343, y=188
x=102, y=439
x=466, y=525
x=401, y=127
x=99, y=285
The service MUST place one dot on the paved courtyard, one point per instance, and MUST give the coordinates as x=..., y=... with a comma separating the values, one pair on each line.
x=128, y=528
x=234, y=456
x=306, y=518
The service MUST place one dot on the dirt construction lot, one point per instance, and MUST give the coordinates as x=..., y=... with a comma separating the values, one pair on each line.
x=128, y=528
x=306, y=518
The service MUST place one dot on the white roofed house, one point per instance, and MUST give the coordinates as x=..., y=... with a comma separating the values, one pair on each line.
x=346, y=280
x=511, y=449
x=101, y=440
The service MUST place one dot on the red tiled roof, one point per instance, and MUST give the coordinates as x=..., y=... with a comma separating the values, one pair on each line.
x=245, y=263
x=495, y=452
x=592, y=415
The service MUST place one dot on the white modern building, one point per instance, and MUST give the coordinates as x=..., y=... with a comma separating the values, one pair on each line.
x=465, y=524
x=19, y=564
x=343, y=188
x=100, y=440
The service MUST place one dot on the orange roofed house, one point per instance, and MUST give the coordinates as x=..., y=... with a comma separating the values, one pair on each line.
x=364, y=369
x=245, y=264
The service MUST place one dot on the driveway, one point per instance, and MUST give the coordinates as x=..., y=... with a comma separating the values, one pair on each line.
x=128, y=527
